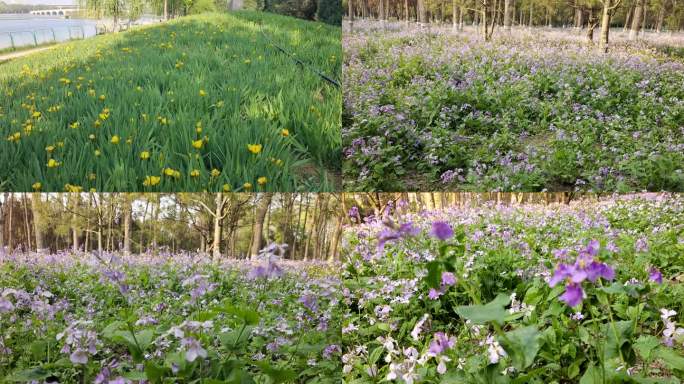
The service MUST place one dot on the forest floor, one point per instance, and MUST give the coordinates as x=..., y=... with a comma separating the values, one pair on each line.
x=531, y=110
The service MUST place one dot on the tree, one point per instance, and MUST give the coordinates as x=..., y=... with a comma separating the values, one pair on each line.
x=264, y=201
x=636, y=20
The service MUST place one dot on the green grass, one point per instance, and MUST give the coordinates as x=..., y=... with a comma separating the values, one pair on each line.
x=152, y=79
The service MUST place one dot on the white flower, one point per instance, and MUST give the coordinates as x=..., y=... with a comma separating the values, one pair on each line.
x=418, y=328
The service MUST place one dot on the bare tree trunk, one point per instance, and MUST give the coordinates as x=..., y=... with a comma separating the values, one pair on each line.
x=37, y=220
x=628, y=18
x=2, y=222
x=508, y=9
x=422, y=13
x=454, y=19
x=351, y=15
x=661, y=18
x=218, y=216
x=636, y=21
x=531, y=14
x=127, y=211
x=26, y=222
x=406, y=11
x=10, y=236
x=166, y=9
x=605, y=25
x=259, y=217
x=591, y=25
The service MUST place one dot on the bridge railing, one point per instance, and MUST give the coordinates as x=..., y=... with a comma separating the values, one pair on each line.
x=36, y=37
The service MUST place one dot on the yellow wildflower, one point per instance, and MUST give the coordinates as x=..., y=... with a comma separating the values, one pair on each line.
x=50, y=148
x=102, y=97
x=285, y=132
x=151, y=181
x=215, y=172
x=254, y=148
x=52, y=163
x=226, y=187
x=202, y=93
x=172, y=172
x=73, y=188
x=195, y=173
x=36, y=115
x=115, y=139
x=37, y=186
x=247, y=185
x=262, y=180
x=144, y=155
x=74, y=125
x=197, y=144
x=98, y=152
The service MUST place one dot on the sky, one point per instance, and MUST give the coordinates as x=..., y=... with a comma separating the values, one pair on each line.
x=41, y=2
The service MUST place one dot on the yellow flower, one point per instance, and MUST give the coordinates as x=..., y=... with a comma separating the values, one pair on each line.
x=73, y=188
x=50, y=148
x=98, y=152
x=202, y=93
x=285, y=132
x=91, y=136
x=74, y=125
x=37, y=186
x=172, y=172
x=52, y=163
x=198, y=144
x=262, y=180
x=247, y=61
x=254, y=148
x=151, y=181
x=195, y=173
x=144, y=155
x=92, y=176
x=36, y=115
x=102, y=97
x=226, y=187
x=115, y=139
x=247, y=185
x=91, y=92
x=215, y=172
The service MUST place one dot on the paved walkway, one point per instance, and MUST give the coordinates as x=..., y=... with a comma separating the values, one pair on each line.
x=14, y=55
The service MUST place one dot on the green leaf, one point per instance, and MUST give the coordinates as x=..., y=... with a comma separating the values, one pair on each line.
x=35, y=373
x=522, y=345
x=277, y=375
x=645, y=345
x=591, y=376
x=155, y=372
x=249, y=316
x=434, y=275
x=671, y=358
x=38, y=350
x=492, y=311
x=135, y=375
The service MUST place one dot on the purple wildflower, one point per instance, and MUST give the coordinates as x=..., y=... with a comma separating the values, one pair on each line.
x=441, y=342
x=448, y=279
x=655, y=275
x=441, y=230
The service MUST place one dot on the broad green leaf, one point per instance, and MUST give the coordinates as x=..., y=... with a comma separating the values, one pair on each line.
x=522, y=345
x=492, y=311
x=35, y=373
x=671, y=358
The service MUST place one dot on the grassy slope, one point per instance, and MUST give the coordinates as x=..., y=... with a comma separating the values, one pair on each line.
x=156, y=73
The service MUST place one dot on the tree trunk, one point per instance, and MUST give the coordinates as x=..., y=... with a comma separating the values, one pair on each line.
x=351, y=15
x=605, y=26
x=636, y=21
x=218, y=216
x=2, y=223
x=508, y=9
x=454, y=19
x=406, y=11
x=37, y=220
x=531, y=14
x=166, y=9
x=422, y=12
x=259, y=217
x=127, y=211
x=628, y=18
x=661, y=18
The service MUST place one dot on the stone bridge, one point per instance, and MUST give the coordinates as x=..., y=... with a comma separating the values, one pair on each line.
x=60, y=10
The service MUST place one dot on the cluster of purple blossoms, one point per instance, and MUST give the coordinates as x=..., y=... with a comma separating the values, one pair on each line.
x=270, y=270
x=448, y=280
x=441, y=230
x=655, y=275
x=80, y=341
x=584, y=268
x=394, y=232
x=440, y=344
x=200, y=286
x=671, y=331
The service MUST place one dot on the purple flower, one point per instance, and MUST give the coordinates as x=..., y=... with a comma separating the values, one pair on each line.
x=309, y=301
x=573, y=295
x=79, y=356
x=655, y=275
x=441, y=342
x=354, y=212
x=193, y=349
x=448, y=279
x=6, y=305
x=434, y=294
x=389, y=234
x=441, y=230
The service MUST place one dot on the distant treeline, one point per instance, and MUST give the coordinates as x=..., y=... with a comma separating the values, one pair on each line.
x=328, y=11
x=21, y=8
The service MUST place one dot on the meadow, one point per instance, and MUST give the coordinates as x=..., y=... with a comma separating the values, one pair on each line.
x=530, y=110
x=207, y=102
x=167, y=318
x=586, y=292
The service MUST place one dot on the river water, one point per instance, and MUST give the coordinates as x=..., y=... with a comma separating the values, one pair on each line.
x=23, y=30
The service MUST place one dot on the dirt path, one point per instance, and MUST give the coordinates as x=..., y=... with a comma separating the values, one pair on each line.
x=14, y=55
